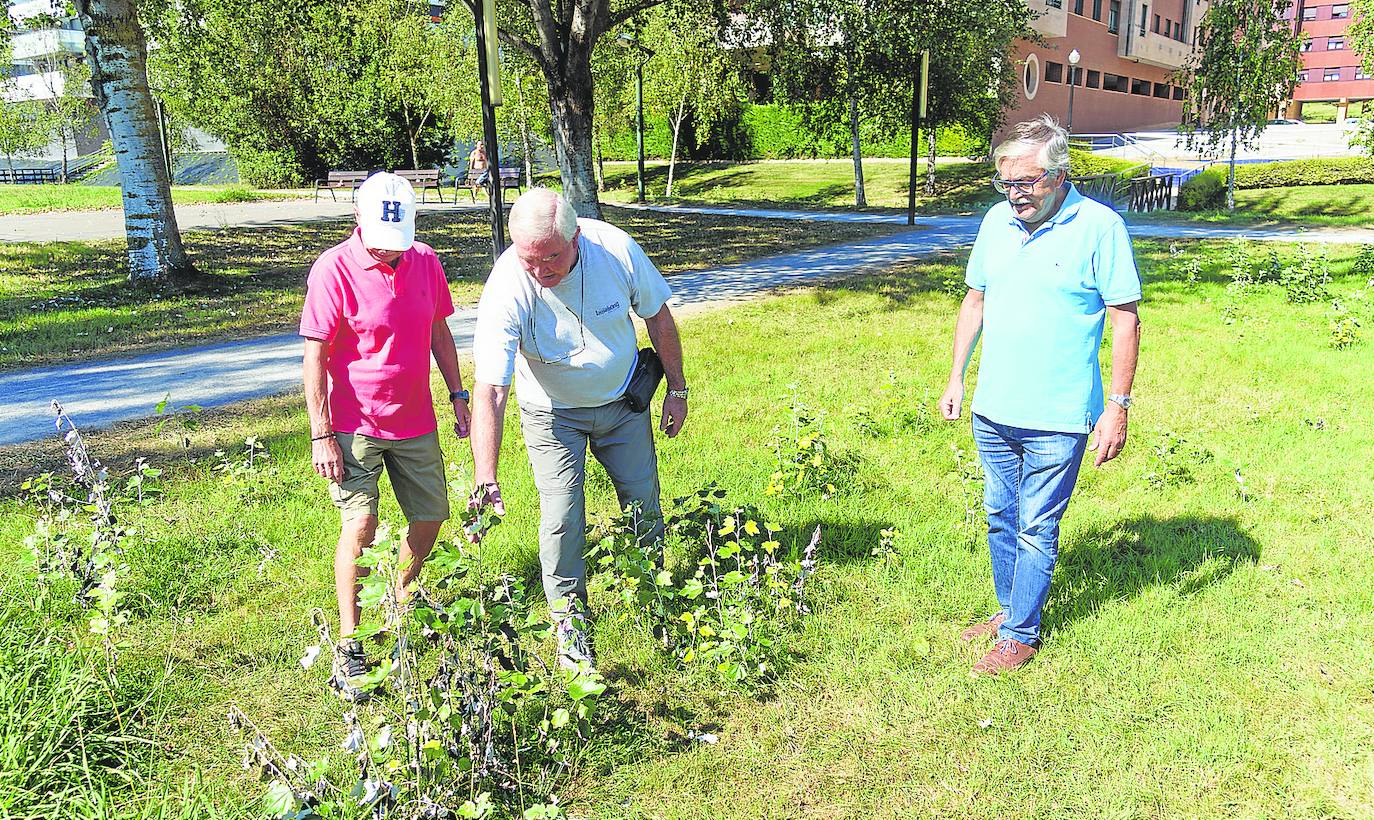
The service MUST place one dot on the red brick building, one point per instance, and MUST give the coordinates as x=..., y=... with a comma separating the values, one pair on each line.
x=1330, y=68
x=1129, y=52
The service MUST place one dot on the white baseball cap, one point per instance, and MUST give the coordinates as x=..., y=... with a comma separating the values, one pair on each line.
x=386, y=212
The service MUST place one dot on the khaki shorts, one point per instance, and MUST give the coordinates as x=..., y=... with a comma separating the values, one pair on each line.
x=414, y=465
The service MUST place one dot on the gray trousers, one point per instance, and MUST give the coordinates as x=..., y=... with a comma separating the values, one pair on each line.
x=623, y=441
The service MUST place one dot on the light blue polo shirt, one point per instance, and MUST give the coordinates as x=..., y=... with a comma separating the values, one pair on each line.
x=1044, y=306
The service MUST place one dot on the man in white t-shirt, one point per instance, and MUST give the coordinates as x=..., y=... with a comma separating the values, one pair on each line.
x=555, y=317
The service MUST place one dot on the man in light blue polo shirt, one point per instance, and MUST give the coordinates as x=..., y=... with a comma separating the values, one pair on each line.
x=1048, y=268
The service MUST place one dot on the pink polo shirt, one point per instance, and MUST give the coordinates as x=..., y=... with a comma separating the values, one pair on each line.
x=376, y=323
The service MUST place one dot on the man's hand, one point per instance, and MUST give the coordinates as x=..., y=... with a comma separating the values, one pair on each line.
x=462, y=418
x=952, y=402
x=1109, y=436
x=674, y=415
x=487, y=492
x=328, y=459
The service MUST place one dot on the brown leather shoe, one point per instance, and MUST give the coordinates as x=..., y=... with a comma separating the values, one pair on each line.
x=984, y=629
x=1004, y=657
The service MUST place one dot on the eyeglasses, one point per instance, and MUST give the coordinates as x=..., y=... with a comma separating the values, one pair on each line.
x=1023, y=186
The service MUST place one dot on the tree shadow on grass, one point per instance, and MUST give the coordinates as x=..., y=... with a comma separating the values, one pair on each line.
x=1117, y=561
x=901, y=283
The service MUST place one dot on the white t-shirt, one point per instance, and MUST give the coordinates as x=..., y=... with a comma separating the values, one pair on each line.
x=576, y=340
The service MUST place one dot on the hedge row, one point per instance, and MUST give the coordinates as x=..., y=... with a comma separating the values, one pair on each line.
x=1207, y=190
x=778, y=132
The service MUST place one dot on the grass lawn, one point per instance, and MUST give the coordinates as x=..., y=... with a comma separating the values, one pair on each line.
x=65, y=299
x=1206, y=650
x=25, y=199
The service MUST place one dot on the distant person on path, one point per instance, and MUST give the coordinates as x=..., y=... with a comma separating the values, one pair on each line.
x=479, y=164
x=375, y=311
x=555, y=317
x=1048, y=267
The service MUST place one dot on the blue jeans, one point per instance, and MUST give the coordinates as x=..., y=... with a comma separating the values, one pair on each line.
x=1029, y=477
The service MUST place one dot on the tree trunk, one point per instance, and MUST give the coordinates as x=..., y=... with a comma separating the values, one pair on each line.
x=677, y=130
x=930, y=159
x=571, y=105
x=1231, y=174
x=118, y=55
x=525, y=130
x=860, y=200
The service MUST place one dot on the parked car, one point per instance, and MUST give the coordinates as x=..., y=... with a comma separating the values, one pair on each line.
x=1285, y=121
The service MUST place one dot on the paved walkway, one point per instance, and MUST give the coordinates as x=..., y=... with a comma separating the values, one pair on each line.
x=103, y=392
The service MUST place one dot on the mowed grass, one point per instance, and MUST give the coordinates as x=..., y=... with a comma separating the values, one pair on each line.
x=23, y=199
x=66, y=300
x=1206, y=651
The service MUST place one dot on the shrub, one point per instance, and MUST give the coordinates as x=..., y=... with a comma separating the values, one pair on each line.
x=234, y=193
x=1204, y=191
x=1316, y=171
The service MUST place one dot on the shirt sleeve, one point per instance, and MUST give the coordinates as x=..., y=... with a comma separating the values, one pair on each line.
x=976, y=275
x=496, y=338
x=323, y=310
x=443, y=297
x=648, y=289
x=1114, y=267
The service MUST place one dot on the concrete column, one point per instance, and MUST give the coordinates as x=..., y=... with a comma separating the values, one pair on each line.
x=1294, y=110
x=1342, y=108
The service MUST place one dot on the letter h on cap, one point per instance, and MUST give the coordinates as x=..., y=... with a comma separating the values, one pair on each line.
x=391, y=211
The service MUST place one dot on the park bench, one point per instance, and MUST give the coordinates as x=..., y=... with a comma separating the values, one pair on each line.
x=510, y=178
x=423, y=180
x=29, y=176
x=338, y=180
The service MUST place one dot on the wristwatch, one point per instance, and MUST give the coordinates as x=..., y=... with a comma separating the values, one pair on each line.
x=459, y=394
x=1122, y=399
x=679, y=394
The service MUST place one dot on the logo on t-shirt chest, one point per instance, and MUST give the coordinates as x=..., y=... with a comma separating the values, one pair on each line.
x=607, y=309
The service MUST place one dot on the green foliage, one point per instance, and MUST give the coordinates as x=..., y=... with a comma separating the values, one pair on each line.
x=743, y=596
x=805, y=462
x=1174, y=459
x=1315, y=171
x=1306, y=281
x=1203, y=191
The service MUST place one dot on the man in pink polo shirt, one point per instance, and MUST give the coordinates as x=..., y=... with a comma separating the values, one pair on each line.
x=375, y=310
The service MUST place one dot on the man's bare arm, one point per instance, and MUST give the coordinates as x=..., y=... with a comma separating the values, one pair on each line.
x=446, y=358
x=966, y=330
x=1109, y=436
x=663, y=333
x=488, y=420
x=325, y=455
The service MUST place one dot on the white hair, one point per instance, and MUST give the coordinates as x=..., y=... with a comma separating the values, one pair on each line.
x=540, y=214
x=1042, y=135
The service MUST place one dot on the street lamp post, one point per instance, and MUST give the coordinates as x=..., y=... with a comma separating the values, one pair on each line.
x=1074, y=57
x=646, y=53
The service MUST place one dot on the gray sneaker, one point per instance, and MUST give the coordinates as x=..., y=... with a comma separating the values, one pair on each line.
x=350, y=663
x=574, y=644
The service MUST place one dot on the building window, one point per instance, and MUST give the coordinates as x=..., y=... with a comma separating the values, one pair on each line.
x=1302, y=76
x=1094, y=79
x=1055, y=4
x=1360, y=74
x=1340, y=12
x=1156, y=26
x=1306, y=44
x=1113, y=82
x=1144, y=18
x=1114, y=16
x=1140, y=88
x=1309, y=13
x=1331, y=75
x=1030, y=76
x=1097, y=10
x=1178, y=92
x=1054, y=72
x=1078, y=7
x=1162, y=91
x=1335, y=43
